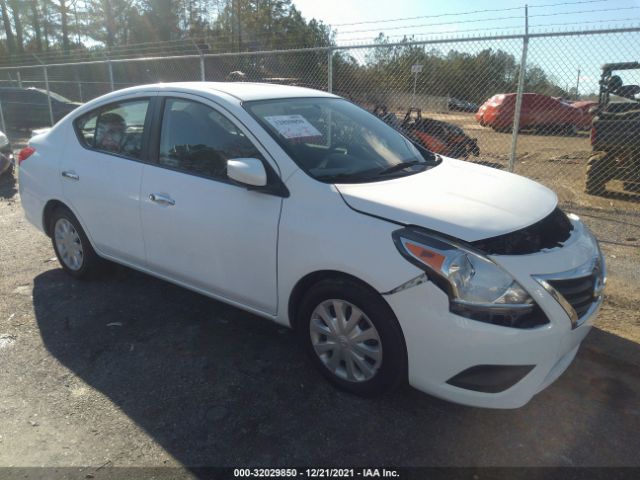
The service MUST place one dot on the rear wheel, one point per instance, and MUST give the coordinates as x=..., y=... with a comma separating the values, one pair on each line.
x=73, y=249
x=570, y=130
x=600, y=169
x=353, y=337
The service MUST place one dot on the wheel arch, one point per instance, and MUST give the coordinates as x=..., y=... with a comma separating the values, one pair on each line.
x=309, y=280
x=48, y=210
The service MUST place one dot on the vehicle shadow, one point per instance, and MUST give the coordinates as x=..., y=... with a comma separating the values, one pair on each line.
x=8, y=185
x=215, y=386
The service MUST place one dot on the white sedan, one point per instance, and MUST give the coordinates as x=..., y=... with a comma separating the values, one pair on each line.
x=392, y=263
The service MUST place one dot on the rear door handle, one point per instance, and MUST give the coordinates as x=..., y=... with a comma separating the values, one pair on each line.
x=71, y=175
x=161, y=199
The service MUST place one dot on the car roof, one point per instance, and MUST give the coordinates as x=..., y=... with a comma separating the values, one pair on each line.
x=20, y=89
x=243, y=91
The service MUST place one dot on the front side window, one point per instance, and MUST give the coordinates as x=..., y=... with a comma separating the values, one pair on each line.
x=117, y=128
x=199, y=140
x=335, y=141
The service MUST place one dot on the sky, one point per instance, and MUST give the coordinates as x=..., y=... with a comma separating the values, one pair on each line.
x=360, y=21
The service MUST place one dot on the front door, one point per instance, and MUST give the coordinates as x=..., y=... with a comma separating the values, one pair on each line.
x=201, y=228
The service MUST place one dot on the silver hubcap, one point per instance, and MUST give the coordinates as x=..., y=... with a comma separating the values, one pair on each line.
x=68, y=244
x=345, y=340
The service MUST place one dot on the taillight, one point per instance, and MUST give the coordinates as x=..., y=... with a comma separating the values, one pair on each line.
x=25, y=153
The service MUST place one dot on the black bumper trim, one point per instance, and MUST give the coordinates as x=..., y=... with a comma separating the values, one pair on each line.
x=490, y=378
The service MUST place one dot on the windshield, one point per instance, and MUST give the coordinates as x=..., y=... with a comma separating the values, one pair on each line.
x=335, y=141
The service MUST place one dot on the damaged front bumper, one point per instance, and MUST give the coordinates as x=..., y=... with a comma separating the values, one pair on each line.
x=486, y=365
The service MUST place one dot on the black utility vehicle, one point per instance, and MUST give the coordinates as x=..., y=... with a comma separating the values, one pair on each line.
x=29, y=107
x=615, y=133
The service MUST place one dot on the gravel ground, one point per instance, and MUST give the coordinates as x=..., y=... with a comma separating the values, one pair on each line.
x=129, y=370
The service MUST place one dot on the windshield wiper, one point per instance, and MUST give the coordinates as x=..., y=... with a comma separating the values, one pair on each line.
x=400, y=166
x=356, y=177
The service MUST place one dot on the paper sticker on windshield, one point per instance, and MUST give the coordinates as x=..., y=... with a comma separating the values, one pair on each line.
x=293, y=126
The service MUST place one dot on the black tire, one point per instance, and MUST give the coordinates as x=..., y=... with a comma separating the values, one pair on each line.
x=600, y=169
x=570, y=130
x=393, y=368
x=632, y=187
x=91, y=264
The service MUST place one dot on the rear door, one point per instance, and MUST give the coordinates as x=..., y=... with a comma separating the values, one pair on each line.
x=101, y=171
x=201, y=228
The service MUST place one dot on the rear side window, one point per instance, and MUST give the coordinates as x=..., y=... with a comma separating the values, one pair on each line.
x=199, y=140
x=117, y=128
x=26, y=97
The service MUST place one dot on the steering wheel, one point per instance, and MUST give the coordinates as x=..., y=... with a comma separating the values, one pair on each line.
x=334, y=150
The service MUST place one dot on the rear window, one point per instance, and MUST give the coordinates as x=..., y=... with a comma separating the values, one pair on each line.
x=117, y=128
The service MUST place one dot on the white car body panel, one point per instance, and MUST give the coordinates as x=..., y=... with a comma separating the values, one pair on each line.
x=251, y=249
x=459, y=199
x=41, y=181
x=218, y=237
x=314, y=239
x=106, y=199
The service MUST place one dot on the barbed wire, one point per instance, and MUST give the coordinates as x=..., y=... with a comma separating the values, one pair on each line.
x=470, y=12
x=476, y=20
x=413, y=35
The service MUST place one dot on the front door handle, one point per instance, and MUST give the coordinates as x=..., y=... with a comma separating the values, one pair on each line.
x=71, y=175
x=161, y=199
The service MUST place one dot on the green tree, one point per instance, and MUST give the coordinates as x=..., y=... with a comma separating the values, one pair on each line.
x=8, y=29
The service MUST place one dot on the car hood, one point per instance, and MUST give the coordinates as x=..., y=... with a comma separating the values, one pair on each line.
x=460, y=199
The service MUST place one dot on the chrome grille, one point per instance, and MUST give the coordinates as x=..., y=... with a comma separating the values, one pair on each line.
x=579, y=292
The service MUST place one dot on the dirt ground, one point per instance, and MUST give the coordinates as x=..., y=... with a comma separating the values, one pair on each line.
x=129, y=370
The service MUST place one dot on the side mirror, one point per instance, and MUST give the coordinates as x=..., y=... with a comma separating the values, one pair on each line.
x=249, y=171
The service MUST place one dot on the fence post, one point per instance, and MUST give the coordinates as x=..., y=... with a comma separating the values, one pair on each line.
x=110, y=66
x=79, y=84
x=19, y=79
x=523, y=69
x=330, y=70
x=46, y=84
x=4, y=127
x=203, y=76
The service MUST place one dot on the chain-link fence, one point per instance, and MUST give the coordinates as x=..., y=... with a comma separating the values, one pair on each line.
x=561, y=119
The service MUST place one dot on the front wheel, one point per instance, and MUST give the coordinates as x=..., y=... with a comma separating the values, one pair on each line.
x=570, y=130
x=353, y=337
x=600, y=169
